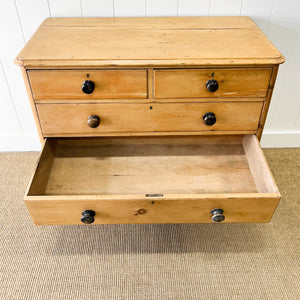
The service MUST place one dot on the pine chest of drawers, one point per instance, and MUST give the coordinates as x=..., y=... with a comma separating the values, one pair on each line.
x=150, y=120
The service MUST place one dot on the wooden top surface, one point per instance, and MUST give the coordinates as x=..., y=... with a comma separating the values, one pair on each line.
x=165, y=41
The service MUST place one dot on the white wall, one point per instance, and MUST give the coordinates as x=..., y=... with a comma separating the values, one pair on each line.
x=279, y=19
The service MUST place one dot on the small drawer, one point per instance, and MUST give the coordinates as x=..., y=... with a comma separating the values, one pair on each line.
x=88, y=84
x=152, y=180
x=196, y=83
x=96, y=119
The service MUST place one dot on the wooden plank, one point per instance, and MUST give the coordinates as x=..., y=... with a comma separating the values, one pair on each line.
x=165, y=63
x=72, y=118
x=157, y=8
x=32, y=14
x=185, y=83
x=261, y=15
x=193, y=8
x=66, y=84
x=134, y=45
x=258, y=165
x=267, y=103
x=150, y=84
x=42, y=172
x=245, y=208
x=32, y=104
x=149, y=140
x=152, y=168
x=149, y=100
x=97, y=8
x=225, y=8
x=149, y=133
x=132, y=8
x=155, y=23
x=70, y=8
x=9, y=124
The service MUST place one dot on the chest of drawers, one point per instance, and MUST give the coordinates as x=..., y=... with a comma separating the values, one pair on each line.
x=150, y=120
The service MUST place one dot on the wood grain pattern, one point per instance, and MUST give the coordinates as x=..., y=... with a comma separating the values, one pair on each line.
x=67, y=211
x=259, y=166
x=170, y=42
x=155, y=23
x=67, y=119
x=32, y=104
x=112, y=176
x=267, y=103
x=148, y=100
x=150, y=76
x=189, y=83
x=66, y=84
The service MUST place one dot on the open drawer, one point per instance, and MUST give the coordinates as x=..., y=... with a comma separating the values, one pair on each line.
x=152, y=180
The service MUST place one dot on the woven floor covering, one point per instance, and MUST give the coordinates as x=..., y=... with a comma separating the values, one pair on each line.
x=183, y=261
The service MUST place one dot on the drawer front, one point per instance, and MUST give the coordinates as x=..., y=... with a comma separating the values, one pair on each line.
x=192, y=83
x=152, y=180
x=68, y=84
x=110, y=211
x=64, y=119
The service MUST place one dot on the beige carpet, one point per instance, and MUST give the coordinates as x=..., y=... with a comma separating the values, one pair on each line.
x=200, y=261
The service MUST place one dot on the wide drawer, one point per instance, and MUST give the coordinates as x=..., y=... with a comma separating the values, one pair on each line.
x=152, y=180
x=194, y=83
x=68, y=84
x=73, y=119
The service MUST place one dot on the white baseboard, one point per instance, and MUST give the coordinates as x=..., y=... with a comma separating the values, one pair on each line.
x=281, y=140
x=32, y=143
x=19, y=143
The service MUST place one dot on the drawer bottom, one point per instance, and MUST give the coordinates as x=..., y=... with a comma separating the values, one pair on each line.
x=152, y=180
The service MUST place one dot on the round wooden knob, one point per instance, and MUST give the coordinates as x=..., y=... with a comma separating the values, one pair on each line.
x=212, y=85
x=93, y=121
x=88, y=86
x=209, y=118
x=217, y=215
x=88, y=216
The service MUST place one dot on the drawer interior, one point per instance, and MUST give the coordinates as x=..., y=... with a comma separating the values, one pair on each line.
x=148, y=166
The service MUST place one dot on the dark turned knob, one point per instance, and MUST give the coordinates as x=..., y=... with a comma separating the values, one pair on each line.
x=93, y=121
x=88, y=216
x=212, y=85
x=88, y=87
x=217, y=215
x=209, y=118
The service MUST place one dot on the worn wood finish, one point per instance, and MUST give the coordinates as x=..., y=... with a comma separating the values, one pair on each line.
x=113, y=176
x=72, y=118
x=155, y=23
x=32, y=104
x=258, y=165
x=43, y=169
x=151, y=159
x=148, y=42
x=155, y=133
x=267, y=103
x=66, y=84
x=245, y=208
x=149, y=100
x=189, y=83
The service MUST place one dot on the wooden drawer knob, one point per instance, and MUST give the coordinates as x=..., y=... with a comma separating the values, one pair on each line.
x=217, y=215
x=88, y=86
x=209, y=118
x=212, y=85
x=93, y=121
x=88, y=216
